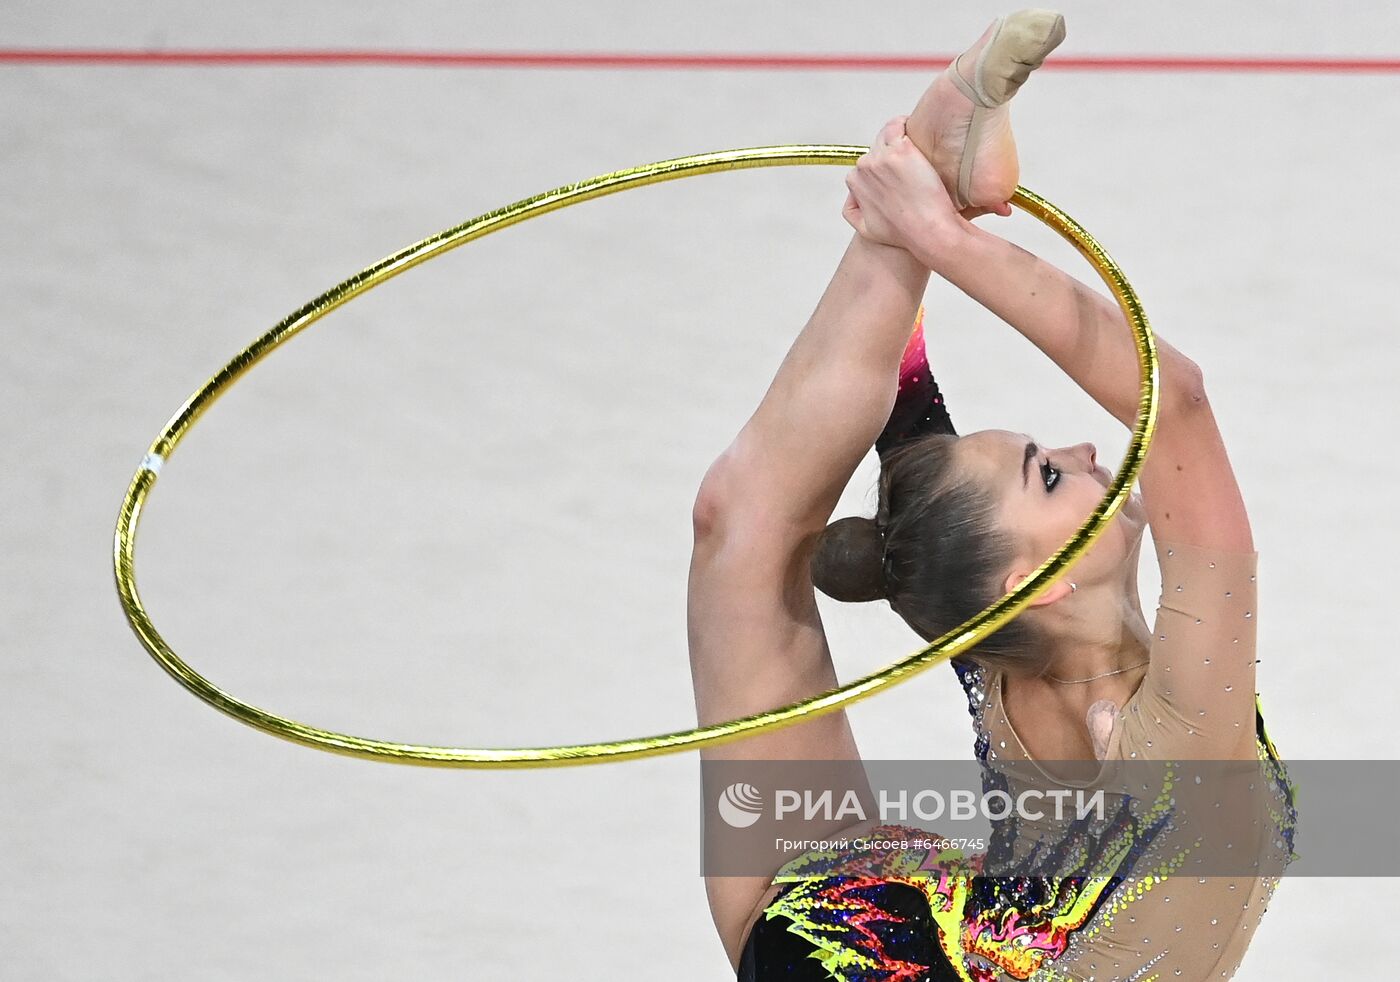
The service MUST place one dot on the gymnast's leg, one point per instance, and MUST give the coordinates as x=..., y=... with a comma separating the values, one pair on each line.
x=755, y=636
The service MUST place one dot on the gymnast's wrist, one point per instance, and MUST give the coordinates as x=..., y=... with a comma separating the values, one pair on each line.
x=940, y=242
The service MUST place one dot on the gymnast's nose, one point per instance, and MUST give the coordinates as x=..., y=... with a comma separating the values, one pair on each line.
x=1089, y=453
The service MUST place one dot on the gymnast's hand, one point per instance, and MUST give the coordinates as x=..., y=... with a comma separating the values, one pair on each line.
x=898, y=199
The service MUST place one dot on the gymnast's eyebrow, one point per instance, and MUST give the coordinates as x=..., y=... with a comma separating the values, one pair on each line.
x=1026, y=463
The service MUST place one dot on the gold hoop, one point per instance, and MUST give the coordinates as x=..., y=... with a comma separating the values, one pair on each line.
x=953, y=642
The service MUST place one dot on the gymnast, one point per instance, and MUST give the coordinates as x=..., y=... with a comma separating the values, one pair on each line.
x=961, y=520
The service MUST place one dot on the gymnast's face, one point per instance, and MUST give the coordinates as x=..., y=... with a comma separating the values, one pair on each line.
x=1045, y=494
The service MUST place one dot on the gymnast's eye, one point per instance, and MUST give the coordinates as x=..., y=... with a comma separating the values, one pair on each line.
x=1050, y=475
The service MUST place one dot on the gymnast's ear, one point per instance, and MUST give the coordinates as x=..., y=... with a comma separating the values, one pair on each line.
x=1059, y=591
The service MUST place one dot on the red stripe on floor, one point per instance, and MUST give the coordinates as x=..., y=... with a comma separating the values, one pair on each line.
x=738, y=61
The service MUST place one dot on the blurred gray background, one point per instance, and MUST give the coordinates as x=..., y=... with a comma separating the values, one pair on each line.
x=457, y=511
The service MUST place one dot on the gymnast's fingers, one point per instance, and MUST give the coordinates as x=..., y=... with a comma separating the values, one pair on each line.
x=1003, y=209
x=851, y=213
x=851, y=177
x=892, y=132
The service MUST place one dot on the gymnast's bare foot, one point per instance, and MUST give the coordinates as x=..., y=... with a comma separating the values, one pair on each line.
x=946, y=115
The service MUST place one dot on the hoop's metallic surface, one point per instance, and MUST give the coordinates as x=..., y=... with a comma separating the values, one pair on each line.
x=955, y=641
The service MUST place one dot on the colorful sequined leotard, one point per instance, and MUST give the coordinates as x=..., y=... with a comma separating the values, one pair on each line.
x=1134, y=912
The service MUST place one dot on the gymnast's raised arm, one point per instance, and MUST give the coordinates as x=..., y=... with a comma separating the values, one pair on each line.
x=1189, y=492
x=1193, y=495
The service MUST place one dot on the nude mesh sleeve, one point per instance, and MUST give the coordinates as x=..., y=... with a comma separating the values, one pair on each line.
x=1197, y=699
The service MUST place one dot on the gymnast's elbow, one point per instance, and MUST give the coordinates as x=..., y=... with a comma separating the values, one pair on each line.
x=1182, y=383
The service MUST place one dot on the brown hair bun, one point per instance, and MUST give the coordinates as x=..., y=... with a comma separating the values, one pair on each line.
x=848, y=563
